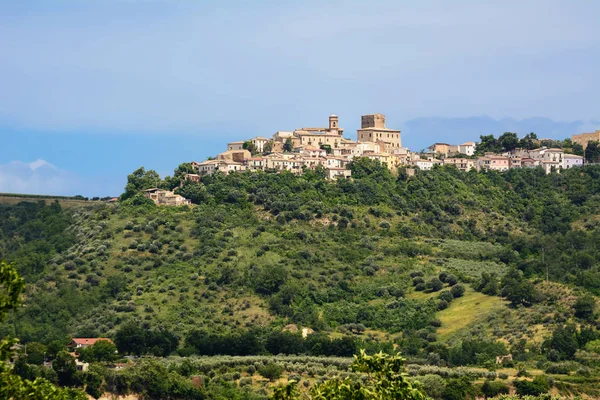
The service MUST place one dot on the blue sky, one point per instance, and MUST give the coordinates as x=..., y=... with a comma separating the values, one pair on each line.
x=90, y=90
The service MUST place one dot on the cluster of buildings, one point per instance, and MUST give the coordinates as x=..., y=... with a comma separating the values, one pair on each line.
x=325, y=147
x=310, y=147
x=550, y=159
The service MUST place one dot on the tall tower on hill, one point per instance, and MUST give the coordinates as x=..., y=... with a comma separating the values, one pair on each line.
x=373, y=129
x=333, y=123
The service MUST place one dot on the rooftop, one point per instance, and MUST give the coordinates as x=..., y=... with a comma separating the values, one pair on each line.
x=89, y=341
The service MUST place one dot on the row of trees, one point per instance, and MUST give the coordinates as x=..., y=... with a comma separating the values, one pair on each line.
x=509, y=141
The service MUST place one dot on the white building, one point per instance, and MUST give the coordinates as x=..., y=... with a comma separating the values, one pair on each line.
x=424, y=165
x=467, y=148
x=572, y=160
x=259, y=143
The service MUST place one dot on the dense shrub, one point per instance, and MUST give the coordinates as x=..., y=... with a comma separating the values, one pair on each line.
x=538, y=386
x=271, y=371
x=434, y=284
x=457, y=291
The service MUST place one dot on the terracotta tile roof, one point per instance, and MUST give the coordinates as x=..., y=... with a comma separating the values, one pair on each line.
x=89, y=341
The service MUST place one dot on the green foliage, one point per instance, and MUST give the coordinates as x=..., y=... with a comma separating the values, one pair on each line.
x=138, y=180
x=152, y=380
x=134, y=339
x=433, y=385
x=518, y=290
x=487, y=144
x=271, y=371
x=488, y=284
x=585, y=307
x=528, y=142
x=35, y=353
x=494, y=388
x=458, y=389
x=385, y=380
x=363, y=167
x=31, y=234
x=194, y=191
x=563, y=341
x=592, y=152
x=288, y=145
x=508, y=141
x=457, y=291
x=476, y=352
x=446, y=296
x=178, y=176
x=138, y=200
x=266, y=250
x=248, y=145
x=101, y=351
x=327, y=148
x=11, y=285
x=268, y=279
x=434, y=284
x=538, y=386
x=13, y=386
x=268, y=147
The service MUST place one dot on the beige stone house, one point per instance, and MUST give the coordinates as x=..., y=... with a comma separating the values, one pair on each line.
x=310, y=151
x=224, y=165
x=338, y=173
x=235, y=155
x=443, y=149
x=166, y=197
x=551, y=166
x=463, y=164
x=192, y=178
x=385, y=158
x=256, y=163
x=235, y=146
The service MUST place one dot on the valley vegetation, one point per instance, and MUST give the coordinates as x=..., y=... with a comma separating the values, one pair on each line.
x=451, y=269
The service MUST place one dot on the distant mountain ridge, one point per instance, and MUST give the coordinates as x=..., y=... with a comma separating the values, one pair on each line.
x=419, y=133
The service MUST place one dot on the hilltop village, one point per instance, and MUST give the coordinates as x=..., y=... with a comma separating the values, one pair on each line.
x=311, y=147
x=327, y=148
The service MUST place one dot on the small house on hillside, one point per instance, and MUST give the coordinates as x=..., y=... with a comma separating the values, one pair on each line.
x=166, y=197
x=81, y=343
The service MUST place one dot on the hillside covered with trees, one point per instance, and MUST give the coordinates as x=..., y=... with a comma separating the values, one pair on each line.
x=451, y=269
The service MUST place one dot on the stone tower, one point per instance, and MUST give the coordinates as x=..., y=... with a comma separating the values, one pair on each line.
x=373, y=121
x=333, y=123
x=373, y=129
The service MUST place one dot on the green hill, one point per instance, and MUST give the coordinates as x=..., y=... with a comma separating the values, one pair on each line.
x=357, y=261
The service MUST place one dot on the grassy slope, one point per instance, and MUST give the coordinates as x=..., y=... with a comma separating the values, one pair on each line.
x=168, y=295
x=464, y=311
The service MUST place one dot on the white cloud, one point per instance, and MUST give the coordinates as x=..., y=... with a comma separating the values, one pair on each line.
x=39, y=164
x=36, y=177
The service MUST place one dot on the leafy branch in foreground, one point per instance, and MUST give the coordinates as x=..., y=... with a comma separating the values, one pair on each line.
x=385, y=379
x=11, y=385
